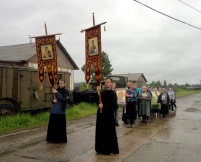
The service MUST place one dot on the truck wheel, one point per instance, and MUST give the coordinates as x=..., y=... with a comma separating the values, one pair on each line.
x=6, y=110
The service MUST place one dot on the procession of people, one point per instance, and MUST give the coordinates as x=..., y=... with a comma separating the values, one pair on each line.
x=149, y=101
x=137, y=103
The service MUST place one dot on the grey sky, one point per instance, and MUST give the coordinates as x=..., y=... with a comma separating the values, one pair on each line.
x=137, y=40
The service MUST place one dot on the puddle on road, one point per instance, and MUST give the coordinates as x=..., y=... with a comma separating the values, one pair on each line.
x=191, y=110
x=29, y=157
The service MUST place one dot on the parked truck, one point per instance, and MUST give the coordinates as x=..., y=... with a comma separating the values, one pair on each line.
x=91, y=95
x=20, y=89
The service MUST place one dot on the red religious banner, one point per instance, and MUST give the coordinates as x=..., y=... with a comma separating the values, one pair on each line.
x=47, y=58
x=93, y=53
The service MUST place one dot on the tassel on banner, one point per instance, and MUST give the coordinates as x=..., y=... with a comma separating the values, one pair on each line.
x=41, y=87
x=87, y=86
x=55, y=86
x=104, y=28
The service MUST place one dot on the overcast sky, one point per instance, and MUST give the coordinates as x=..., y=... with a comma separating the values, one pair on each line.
x=137, y=39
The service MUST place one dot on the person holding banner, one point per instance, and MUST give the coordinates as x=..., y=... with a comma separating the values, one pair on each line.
x=105, y=134
x=56, y=132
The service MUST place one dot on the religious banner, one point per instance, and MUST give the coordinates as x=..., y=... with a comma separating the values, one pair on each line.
x=121, y=99
x=47, y=58
x=93, y=53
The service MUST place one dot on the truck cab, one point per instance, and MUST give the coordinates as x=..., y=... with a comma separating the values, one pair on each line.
x=91, y=96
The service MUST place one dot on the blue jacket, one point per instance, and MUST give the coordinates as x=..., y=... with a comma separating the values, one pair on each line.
x=133, y=94
x=62, y=98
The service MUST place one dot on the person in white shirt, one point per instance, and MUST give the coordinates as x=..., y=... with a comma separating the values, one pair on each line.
x=172, y=99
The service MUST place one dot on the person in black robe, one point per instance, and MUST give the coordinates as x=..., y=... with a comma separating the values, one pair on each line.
x=56, y=132
x=105, y=135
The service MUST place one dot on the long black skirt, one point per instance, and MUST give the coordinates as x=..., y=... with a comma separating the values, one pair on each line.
x=131, y=112
x=164, y=109
x=124, y=118
x=56, y=132
x=105, y=135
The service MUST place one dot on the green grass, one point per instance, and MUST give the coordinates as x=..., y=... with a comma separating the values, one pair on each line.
x=81, y=110
x=22, y=121
x=182, y=92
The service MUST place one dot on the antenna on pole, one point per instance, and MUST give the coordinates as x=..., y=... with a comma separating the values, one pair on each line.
x=93, y=19
x=45, y=28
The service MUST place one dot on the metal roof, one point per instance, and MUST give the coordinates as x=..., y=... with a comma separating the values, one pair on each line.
x=133, y=76
x=16, y=53
x=23, y=52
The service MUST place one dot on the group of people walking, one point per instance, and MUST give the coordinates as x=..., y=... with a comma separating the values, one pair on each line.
x=163, y=101
x=137, y=104
x=143, y=102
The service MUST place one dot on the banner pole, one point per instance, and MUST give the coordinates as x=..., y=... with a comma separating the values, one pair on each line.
x=99, y=97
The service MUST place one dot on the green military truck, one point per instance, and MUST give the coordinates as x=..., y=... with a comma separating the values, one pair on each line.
x=20, y=89
x=91, y=96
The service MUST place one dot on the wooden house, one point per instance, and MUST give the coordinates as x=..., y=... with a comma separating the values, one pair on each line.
x=24, y=55
x=138, y=78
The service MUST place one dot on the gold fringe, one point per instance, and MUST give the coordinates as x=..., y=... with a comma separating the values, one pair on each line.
x=104, y=28
x=41, y=87
x=87, y=86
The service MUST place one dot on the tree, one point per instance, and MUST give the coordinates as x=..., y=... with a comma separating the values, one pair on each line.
x=165, y=84
x=106, y=67
x=156, y=84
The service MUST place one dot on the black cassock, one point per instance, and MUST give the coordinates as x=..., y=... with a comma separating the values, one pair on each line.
x=106, y=137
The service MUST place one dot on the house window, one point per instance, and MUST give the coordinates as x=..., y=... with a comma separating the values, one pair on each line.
x=60, y=76
x=65, y=70
x=33, y=65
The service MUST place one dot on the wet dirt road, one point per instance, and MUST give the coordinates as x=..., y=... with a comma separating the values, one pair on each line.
x=175, y=139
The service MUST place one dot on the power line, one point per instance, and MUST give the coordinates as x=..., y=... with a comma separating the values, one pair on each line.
x=190, y=6
x=168, y=15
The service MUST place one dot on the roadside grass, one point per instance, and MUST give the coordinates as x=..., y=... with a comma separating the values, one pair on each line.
x=182, y=92
x=81, y=110
x=23, y=121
